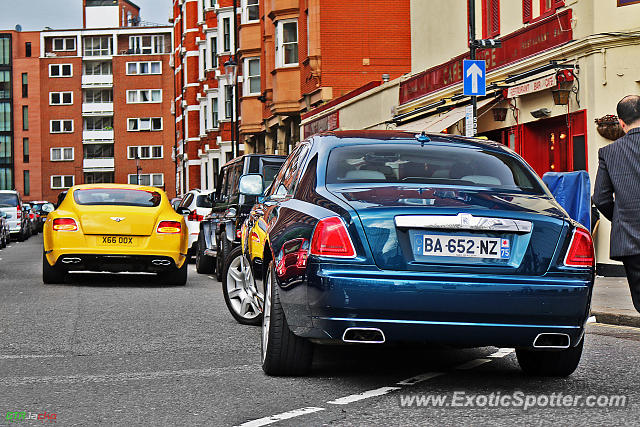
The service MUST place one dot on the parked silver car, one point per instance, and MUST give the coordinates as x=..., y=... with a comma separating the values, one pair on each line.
x=11, y=204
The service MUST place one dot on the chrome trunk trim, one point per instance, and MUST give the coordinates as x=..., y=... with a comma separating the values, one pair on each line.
x=463, y=221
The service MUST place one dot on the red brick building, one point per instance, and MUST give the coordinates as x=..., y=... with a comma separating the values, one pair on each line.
x=98, y=104
x=292, y=56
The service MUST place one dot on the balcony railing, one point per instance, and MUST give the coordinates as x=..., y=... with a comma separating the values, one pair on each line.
x=97, y=80
x=97, y=108
x=102, y=135
x=107, y=163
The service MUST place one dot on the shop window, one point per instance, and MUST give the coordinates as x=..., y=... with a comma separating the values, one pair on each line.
x=490, y=18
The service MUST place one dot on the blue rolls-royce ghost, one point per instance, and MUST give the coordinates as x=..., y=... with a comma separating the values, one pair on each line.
x=387, y=236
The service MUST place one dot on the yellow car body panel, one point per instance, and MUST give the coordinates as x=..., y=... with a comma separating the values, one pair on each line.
x=115, y=229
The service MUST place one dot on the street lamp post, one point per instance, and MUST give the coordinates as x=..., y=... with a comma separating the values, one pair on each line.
x=231, y=68
x=138, y=168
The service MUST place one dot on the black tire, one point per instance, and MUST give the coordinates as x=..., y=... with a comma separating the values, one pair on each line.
x=560, y=363
x=51, y=275
x=283, y=353
x=204, y=263
x=223, y=253
x=252, y=317
x=176, y=277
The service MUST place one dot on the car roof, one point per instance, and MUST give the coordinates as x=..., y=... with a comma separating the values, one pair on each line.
x=361, y=137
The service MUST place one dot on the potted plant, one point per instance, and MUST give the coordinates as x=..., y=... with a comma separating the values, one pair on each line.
x=609, y=127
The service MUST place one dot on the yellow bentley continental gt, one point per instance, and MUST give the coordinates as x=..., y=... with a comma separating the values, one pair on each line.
x=115, y=228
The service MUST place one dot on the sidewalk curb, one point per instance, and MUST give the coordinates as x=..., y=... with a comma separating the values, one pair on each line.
x=616, y=319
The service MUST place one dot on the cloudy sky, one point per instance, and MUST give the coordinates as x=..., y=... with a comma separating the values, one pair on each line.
x=61, y=14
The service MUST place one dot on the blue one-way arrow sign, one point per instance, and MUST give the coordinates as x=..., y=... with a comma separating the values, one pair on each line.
x=475, y=78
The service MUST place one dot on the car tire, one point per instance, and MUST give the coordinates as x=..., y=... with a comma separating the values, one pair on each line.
x=51, y=275
x=3, y=243
x=560, y=363
x=204, y=263
x=223, y=252
x=175, y=277
x=283, y=353
x=240, y=291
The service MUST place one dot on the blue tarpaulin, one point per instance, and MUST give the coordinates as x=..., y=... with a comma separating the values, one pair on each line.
x=572, y=190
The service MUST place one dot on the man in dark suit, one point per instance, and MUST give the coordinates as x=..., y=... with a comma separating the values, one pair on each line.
x=617, y=192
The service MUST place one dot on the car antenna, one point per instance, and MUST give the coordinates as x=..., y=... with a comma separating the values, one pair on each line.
x=423, y=138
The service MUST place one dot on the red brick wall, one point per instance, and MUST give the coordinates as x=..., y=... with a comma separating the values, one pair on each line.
x=355, y=31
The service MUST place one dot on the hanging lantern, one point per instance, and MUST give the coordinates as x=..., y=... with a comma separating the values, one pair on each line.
x=499, y=114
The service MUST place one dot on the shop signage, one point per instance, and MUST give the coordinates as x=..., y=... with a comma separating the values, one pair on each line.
x=543, y=35
x=325, y=123
x=532, y=86
x=627, y=2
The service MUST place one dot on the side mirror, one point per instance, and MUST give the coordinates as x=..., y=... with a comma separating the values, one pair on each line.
x=251, y=185
x=183, y=211
x=47, y=207
x=211, y=198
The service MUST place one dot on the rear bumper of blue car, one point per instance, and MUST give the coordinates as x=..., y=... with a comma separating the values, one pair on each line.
x=468, y=310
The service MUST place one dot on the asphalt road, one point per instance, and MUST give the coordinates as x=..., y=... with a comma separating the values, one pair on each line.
x=121, y=349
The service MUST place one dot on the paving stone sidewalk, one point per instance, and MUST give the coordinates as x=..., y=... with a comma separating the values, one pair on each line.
x=612, y=304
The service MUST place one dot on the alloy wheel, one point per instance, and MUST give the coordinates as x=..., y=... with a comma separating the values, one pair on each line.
x=244, y=297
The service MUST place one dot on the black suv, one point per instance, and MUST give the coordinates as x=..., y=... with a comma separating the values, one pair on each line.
x=220, y=230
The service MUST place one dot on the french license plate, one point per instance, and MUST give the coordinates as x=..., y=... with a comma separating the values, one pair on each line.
x=116, y=241
x=465, y=246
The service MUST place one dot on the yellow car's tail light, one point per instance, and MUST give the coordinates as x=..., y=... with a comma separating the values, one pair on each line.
x=169, y=227
x=65, y=224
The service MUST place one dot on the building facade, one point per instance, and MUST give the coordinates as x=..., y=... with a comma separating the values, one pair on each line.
x=93, y=105
x=559, y=69
x=290, y=56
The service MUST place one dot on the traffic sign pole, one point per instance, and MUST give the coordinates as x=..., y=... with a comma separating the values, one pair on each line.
x=472, y=47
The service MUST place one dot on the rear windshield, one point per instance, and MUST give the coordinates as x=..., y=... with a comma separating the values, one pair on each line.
x=437, y=165
x=117, y=196
x=203, y=201
x=8, y=200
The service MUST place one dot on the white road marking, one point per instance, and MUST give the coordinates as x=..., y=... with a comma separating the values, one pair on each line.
x=420, y=378
x=279, y=417
x=472, y=364
x=501, y=353
x=125, y=376
x=592, y=319
x=28, y=356
x=364, y=395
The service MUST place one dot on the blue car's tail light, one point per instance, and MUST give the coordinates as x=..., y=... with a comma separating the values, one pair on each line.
x=331, y=239
x=580, y=253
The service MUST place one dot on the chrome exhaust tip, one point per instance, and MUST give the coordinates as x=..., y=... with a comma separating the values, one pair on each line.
x=363, y=335
x=552, y=340
x=163, y=262
x=71, y=260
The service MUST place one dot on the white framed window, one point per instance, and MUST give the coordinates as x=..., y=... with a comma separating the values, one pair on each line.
x=98, y=46
x=250, y=11
x=60, y=70
x=143, y=68
x=252, y=76
x=144, y=123
x=228, y=101
x=287, y=43
x=213, y=52
x=202, y=59
x=226, y=34
x=61, y=126
x=62, y=181
x=145, y=152
x=65, y=44
x=215, y=124
x=60, y=98
x=142, y=96
x=146, y=45
x=152, y=179
x=61, y=154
